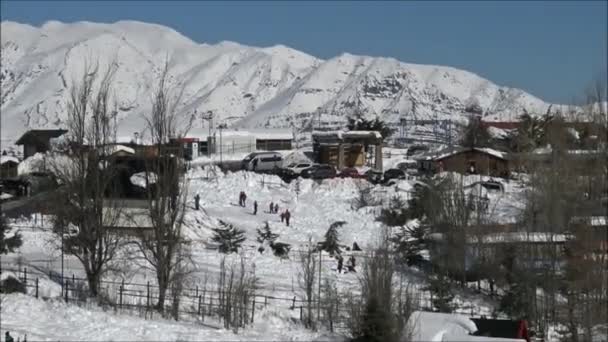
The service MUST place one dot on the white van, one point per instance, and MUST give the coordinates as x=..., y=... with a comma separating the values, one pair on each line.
x=263, y=161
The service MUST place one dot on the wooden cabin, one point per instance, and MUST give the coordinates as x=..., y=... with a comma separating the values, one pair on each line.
x=8, y=166
x=348, y=149
x=464, y=160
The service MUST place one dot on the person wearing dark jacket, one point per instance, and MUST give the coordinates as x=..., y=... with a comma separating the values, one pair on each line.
x=287, y=217
x=276, y=208
x=271, y=207
x=8, y=337
x=255, y=207
x=197, y=201
x=340, y=263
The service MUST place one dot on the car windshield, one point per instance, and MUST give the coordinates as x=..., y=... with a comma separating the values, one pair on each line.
x=292, y=165
x=303, y=165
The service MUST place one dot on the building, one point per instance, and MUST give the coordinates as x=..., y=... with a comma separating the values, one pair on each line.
x=128, y=217
x=38, y=140
x=226, y=141
x=8, y=166
x=273, y=140
x=348, y=149
x=476, y=160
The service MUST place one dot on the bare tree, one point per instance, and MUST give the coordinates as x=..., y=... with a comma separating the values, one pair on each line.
x=86, y=176
x=331, y=303
x=307, y=278
x=381, y=313
x=236, y=288
x=166, y=197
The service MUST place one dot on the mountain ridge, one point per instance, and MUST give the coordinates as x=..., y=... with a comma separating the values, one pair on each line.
x=243, y=86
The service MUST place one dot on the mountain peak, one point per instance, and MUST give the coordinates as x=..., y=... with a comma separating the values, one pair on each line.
x=274, y=86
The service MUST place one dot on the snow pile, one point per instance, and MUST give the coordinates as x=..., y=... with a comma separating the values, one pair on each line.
x=434, y=326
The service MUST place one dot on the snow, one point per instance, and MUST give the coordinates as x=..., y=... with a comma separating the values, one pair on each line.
x=593, y=221
x=6, y=159
x=244, y=86
x=118, y=148
x=54, y=320
x=434, y=326
x=4, y=196
x=139, y=178
x=509, y=237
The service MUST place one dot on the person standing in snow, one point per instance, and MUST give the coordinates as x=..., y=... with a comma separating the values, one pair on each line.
x=351, y=264
x=271, y=207
x=241, y=198
x=276, y=209
x=282, y=217
x=197, y=200
x=8, y=337
x=287, y=217
x=255, y=207
x=340, y=263
x=244, y=199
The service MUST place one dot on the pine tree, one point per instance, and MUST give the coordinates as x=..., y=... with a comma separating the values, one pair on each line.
x=8, y=245
x=359, y=123
x=475, y=134
x=331, y=242
x=229, y=238
x=265, y=234
x=442, y=293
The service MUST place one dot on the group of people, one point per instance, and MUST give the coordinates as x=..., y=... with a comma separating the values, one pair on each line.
x=350, y=264
x=274, y=208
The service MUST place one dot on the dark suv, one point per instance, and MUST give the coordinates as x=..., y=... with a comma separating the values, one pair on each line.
x=319, y=172
x=393, y=174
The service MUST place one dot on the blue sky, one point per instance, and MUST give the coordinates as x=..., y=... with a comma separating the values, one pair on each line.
x=551, y=49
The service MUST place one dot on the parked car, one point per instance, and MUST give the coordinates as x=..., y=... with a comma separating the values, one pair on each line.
x=350, y=172
x=393, y=174
x=407, y=165
x=319, y=172
x=262, y=161
x=297, y=168
x=416, y=149
x=287, y=175
x=373, y=176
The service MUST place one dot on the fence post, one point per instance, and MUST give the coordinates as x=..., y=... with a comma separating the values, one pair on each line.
x=67, y=283
x=301, y=317
x=36, y=288
x=121, y=289
x=25, y=276
x=197, y=290
x=199, y=305
x=265, y=301
x=148, y=296
x=73, y=279
x=253, y=309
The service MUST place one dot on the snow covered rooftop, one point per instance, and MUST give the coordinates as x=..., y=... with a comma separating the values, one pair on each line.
x=593, y=221
x=8, y=159
x=511, y=237
x=450, y=151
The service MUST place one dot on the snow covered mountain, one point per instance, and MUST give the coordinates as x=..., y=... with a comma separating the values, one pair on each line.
x=242, y=86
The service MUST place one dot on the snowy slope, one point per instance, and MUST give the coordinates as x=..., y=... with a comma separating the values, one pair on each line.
x=242, y=85
x=55, y=320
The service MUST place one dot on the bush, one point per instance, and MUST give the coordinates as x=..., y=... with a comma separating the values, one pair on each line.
x=12, y=285
x=229, y=238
